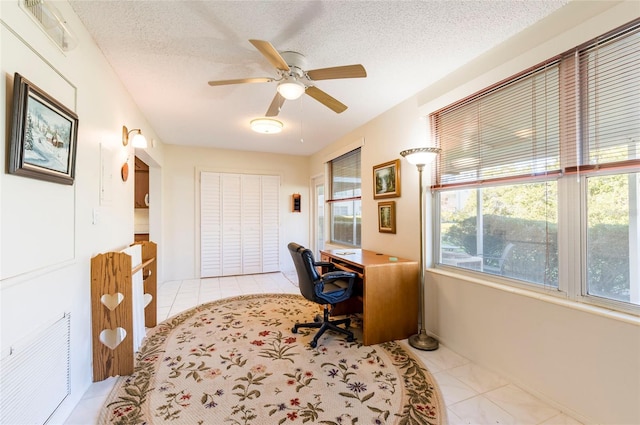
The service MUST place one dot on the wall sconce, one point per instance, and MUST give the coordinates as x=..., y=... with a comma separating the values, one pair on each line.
x=138, y=140
x=266, y=125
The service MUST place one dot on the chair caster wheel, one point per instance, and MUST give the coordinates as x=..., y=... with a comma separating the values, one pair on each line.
x=313, y=344
x=317, y=319
x=350, y=339
x=294, y=330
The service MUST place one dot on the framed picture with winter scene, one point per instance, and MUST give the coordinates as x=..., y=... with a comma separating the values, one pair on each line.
x=43, y=135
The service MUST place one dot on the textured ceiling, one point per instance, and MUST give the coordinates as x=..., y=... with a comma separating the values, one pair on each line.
x=165, y=52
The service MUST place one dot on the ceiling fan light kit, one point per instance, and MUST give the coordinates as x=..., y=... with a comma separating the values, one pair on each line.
x=291, y=89
x=266, y=125
x=294, y=80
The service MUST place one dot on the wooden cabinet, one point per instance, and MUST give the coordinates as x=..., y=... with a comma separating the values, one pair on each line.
x=139, y=237
x=141, y=184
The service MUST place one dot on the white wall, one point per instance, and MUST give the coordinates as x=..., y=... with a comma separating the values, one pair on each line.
x=599, y=382
x=384, y=137
x=585, y=361
x=47, y=236
x=181, y=191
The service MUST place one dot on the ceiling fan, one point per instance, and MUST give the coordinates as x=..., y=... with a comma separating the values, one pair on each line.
x=294, y=80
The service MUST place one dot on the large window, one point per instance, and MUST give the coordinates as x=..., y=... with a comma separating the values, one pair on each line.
x=345, y=202
x=553, y=150
x=506, y=230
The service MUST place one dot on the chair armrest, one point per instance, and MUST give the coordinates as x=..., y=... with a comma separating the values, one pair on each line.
x=326, y=266
x=339, y=274
x=331, y=277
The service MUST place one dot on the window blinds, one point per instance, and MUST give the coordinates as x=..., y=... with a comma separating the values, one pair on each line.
x=345, y=176
x=578, y=111
x=610, y=73
x=506, y=132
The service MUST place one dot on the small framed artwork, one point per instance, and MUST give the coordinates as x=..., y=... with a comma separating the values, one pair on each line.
x=386, y=180
x=43, y=135
x=296, y=203
x=387, y=217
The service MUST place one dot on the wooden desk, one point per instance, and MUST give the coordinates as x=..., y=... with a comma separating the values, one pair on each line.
x=386, y=293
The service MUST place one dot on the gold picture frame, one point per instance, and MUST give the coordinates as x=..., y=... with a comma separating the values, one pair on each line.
x=386, y=180
x=387, y=217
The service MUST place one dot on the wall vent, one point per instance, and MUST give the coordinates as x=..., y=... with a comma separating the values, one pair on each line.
x=34, y=376
x=52, y=22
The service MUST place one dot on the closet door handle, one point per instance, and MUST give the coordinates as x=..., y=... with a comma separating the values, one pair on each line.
x=146, y=199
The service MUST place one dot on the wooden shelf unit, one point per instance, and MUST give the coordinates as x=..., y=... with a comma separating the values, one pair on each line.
x=112, y=307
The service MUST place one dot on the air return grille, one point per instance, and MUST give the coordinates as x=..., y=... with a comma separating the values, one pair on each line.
x=52, y=22
x=34, y=377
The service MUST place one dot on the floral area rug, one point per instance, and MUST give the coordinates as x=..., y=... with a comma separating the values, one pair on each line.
x=236, y=361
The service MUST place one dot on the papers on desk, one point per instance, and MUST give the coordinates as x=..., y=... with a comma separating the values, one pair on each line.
x=345, y=252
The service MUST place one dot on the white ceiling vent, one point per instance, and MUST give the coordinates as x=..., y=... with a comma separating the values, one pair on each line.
x=52, y=22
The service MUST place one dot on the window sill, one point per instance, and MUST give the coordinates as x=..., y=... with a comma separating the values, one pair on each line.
x=575, y=305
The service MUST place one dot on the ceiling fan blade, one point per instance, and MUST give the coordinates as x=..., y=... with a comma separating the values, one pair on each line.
x=241, y=81
x=276, y=105
x=270, y=52
x=328, y=101
x=348, y=71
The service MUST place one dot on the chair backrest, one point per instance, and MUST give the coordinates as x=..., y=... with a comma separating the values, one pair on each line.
x=307, y=273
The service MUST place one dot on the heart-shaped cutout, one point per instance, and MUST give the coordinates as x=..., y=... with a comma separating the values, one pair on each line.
x=113, y=337
x=111, y=301
x=147, y=299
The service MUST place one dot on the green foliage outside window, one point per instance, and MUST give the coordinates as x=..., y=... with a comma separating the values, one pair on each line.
x=525, y=216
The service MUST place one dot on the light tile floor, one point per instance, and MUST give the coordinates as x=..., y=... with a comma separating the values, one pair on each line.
x=472, y=394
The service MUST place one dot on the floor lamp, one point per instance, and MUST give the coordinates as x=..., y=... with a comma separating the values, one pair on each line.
x=421, y=157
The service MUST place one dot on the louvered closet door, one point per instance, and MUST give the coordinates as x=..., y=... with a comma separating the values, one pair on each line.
x=239, y=216
x=231, y=224
x=270, y=223
x=251, y=224
x=210, y=225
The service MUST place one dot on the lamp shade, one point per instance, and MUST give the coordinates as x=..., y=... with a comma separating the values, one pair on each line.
x=291, y=89
x=139, y=141
x=266, y=125
x=420, y=156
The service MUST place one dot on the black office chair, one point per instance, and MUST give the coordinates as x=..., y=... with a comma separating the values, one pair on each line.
x=327, y=289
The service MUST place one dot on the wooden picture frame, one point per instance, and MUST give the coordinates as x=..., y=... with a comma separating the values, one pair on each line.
x=296, y=203
x=387, y=217
x=386, y=180
x=44, y=135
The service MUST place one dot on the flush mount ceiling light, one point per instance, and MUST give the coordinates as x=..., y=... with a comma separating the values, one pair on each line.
x=138, y=140
x=266, y=125
x=291, y=89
